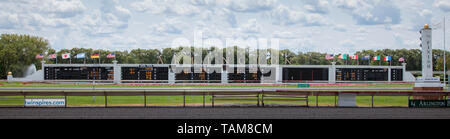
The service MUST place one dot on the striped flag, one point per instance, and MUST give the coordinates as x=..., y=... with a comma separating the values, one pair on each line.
x=329, y=56
x=80, y=55
x=52, y=56
x=376, y=58
x=95, y=56
x=343, y=56
x=66, y=56
x=387, y=58
x=111, y=55
x=365, y=57
x=39, y=56
x=354, y=57
x=401, y=59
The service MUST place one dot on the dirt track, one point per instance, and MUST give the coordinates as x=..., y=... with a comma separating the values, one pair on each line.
x=225, y=113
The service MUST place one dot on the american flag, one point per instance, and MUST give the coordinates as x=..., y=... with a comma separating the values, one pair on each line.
x=52, y=56
x=365, y=58
x=111, y=55
x=39, y=56
x=401, y=59
x=329, y=56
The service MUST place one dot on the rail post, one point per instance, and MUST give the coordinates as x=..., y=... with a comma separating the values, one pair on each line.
x=203, y=99
x=212, y=99
x=317, y=99
x=335, y=97
x=106, y=100
x=257, y=99
x=24, y=99
x=145, y=100
x=372, y=100
x=65, y=100
x=184, y=98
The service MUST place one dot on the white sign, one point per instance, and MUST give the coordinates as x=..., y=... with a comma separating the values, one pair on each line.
x=33, y=102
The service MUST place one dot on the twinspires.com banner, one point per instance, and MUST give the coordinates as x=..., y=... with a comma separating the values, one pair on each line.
x=45, y=102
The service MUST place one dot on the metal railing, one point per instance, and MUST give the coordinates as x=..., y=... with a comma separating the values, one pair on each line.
x=255, y=95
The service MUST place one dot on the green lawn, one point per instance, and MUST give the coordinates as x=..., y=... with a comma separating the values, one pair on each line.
x=198, y=100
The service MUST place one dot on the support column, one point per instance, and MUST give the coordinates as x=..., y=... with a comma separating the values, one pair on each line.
x=332, y=73
x=42, y=76
x=389, y=74
x=404, y=71
x=279, y=74
x=224, y=78
x=171, y=76
x=117, y=73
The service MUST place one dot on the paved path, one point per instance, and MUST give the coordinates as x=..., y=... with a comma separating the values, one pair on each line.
x=225, y=113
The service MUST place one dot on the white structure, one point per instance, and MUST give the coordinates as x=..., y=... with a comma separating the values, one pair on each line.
x=427, y=79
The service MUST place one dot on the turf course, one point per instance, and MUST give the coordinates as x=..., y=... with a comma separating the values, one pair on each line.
x=198, y=100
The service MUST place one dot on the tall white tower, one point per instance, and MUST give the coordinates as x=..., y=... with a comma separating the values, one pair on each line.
x=427, y=81
x=427, y=52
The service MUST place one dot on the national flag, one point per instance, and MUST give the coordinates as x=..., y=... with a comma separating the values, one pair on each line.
x=80, y=55
x=401, y=59
x=52, y=56
x=111, y=55
x=365, y=57
x=39, y=56
x=376, y=58
x=387, y=58
x=329, y=56
x=343, y=56
x=66, y=56
x=354, y=57
x=95, y=56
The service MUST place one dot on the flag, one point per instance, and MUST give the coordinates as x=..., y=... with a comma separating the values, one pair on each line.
x=354, y=57
x=365, y=57
x=376, y=58
x=66, y=56
x=343, y=56
x=39, y=56
x=329, y=56
x=80, y=55
x=52, y=56
x=95, y=56
x=111, y=55
x=387, y=58
x=437, y=25
x=401, y=59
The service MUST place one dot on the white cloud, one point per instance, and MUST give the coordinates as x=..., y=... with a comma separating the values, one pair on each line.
x=249, y=5
x=317, y=6
x=251, y=26
x=170, y=26
x=369, y=12
x=171, y=7
x=283, y=15
x=111, y=18
x=444, y=5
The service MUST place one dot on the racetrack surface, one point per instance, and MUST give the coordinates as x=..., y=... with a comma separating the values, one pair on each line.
x=225, y=113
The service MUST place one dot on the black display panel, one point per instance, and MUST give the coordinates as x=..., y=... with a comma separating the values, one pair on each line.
x=79, y=73
x=145, y=73
x=305, y=74
x=244, y=77
x=351, y=74
x=202, y=77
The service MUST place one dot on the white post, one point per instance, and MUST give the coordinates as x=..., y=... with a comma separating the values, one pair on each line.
x=117, y=72
x=332, y=73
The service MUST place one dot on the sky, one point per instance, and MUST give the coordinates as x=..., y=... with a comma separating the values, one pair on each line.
x=331, y=26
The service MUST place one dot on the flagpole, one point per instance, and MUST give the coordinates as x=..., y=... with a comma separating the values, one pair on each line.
x=445, y=70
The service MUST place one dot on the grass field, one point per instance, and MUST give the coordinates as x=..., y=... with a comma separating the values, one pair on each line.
x=198, y=100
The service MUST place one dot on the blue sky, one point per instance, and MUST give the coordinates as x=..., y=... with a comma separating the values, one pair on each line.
x=332, y=26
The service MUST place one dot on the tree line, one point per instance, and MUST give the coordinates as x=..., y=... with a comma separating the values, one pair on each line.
x=19, y=51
